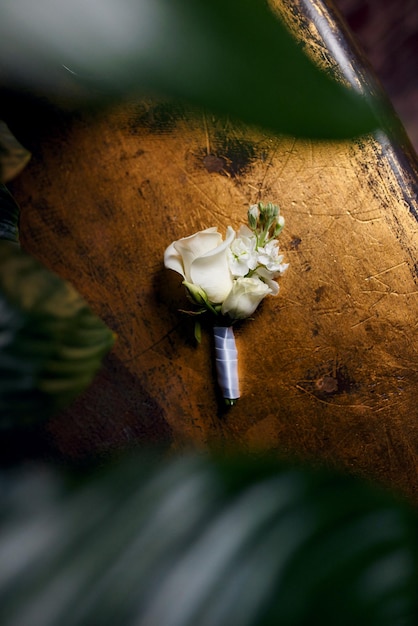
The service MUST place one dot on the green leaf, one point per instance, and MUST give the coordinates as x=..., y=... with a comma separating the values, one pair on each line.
x=13, y=156
x=51, y=343
x=197, y=541
x=234, y=57
x=9, y=216
x=198, y=331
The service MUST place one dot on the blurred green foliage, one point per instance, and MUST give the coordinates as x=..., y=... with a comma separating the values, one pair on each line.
x=51, y=343
x=214, y=543
x=234, y=57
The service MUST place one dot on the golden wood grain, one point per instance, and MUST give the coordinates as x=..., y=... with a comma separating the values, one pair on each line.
x=328, y=369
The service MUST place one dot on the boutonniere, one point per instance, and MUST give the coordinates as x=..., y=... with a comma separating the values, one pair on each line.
x=227, y=279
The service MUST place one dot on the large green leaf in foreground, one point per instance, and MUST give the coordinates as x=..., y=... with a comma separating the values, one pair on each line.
x=51, y=343
x=231, y=56
x=197, y=542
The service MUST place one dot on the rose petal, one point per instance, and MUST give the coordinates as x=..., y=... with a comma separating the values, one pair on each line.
x=195, y=246
x=173, y=260
x=211, y=271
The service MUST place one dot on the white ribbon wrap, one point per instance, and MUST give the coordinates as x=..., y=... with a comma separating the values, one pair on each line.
x=226, y=355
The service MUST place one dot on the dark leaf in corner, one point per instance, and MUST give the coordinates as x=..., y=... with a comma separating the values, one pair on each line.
x=51, y=343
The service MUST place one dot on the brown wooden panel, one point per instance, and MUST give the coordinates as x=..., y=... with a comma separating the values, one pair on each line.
x=328, y=369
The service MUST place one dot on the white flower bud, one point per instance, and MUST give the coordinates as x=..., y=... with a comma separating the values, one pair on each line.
x=244, y=297
x=253, y=215
x=268, y=212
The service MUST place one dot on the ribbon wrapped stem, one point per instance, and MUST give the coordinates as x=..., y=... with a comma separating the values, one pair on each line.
x=226, y=355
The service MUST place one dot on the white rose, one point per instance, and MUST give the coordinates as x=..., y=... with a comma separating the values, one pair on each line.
x=202, y=260
x=244, y=297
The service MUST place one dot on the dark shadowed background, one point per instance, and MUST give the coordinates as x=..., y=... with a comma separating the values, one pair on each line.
x=387, y=30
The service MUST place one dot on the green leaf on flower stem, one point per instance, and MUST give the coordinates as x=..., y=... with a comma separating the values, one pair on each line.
x=51, y=343
x=234, y=57
x=198, y=331
x=197, y=541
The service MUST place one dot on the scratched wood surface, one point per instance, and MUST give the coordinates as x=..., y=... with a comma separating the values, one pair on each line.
x=328, y=369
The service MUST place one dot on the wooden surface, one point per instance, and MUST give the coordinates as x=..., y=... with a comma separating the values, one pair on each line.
x=328, y=369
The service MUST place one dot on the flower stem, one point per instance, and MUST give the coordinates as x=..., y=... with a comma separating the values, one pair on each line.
x=226, y=356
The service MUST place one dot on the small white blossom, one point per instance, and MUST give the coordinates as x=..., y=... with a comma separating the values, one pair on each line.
x=242, y=255
x=267, y=277
x=269, y=256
